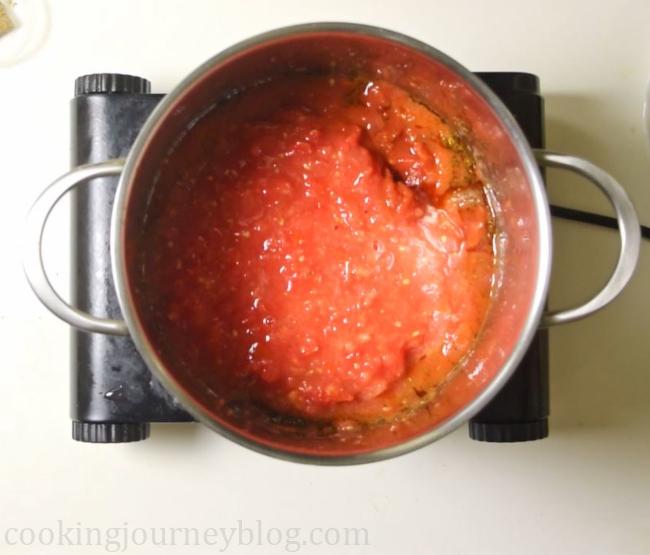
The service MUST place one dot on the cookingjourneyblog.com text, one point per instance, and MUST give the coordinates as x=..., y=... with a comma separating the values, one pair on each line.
x=241, y=534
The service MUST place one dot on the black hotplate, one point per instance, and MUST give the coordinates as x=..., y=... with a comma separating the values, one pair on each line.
x=114, y=397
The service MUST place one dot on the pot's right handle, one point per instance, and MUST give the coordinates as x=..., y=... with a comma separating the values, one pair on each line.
x=629, y=229
x=33, y=256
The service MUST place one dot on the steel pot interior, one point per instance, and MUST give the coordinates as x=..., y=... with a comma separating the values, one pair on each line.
x=522, y=241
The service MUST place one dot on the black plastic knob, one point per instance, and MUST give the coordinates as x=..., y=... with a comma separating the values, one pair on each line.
x=511, y=82
x=508, y=432
x=111, y=83
x=109, y=432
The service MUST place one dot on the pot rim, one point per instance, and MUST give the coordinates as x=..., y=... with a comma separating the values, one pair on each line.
x=155, y=364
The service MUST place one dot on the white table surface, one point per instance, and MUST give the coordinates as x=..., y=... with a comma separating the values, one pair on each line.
x=585, y=490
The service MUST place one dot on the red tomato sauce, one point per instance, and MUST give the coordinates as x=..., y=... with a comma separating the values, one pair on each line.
x=321, y=246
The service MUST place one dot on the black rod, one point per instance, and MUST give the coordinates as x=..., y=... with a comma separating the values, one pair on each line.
x=590, y=218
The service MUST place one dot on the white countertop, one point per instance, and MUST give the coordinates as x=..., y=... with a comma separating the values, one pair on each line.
x=585, y=490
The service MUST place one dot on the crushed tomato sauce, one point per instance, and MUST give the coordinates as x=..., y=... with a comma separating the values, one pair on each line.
x=321, y=246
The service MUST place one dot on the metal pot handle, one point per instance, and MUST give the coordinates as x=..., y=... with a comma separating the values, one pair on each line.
x=33, y=255
x=629, y=229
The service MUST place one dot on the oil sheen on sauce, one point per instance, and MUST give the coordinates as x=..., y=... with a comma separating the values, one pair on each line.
x=321, y=246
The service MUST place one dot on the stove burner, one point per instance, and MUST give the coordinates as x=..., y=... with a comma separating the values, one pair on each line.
x=114, y=397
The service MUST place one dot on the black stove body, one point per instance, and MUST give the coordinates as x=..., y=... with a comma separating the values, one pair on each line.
x=114, y=397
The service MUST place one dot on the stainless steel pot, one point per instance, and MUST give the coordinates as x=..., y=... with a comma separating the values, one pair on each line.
x=509, y=165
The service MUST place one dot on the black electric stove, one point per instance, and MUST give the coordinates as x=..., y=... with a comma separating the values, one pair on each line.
x=114, y=397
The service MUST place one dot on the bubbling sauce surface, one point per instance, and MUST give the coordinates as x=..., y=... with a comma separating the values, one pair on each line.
x=320, y=246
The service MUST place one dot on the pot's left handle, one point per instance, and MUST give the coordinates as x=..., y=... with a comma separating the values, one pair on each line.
x=33, y=255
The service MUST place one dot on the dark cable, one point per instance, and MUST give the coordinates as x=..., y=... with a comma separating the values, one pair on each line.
x=593, y=219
